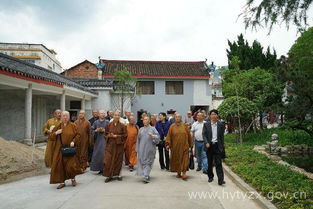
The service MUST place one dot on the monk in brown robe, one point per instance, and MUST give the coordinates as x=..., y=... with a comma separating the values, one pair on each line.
x=178, y=140
x=64, y=168
x=116, y=134
x=84, y=130
x=130, y=144
x=47, y=129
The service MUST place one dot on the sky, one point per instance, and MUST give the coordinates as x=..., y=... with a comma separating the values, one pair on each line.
x=179, y=30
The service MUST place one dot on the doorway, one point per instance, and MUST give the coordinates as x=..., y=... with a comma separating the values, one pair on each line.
x=195, y=108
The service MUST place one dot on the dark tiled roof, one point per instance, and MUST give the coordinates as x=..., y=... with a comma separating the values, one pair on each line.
x=157, y=68
x=23, y=68
x=90, y=82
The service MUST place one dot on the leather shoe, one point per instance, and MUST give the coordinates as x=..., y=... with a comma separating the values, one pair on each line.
x=108, y=180
x=221, y=182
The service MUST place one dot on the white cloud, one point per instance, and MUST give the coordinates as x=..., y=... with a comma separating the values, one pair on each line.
x=142, y=29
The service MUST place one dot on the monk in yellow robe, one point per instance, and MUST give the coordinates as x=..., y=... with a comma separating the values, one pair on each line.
x=130, y=144
x=63, y=167
x=47, y=129
x=84, y=129
x=178, y=140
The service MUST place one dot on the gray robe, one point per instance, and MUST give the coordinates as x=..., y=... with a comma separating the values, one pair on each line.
x=146, y=149
x=99, y=146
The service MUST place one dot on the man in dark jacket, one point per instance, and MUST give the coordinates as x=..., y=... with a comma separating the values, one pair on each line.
x=213, y=136
x=162, y=127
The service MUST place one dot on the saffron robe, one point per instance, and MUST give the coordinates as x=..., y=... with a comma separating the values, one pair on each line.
x=146, y=149
x=84, y=130
x=114, y=150
x=50, y=144
x=64, y=168
x=130, y=145
x=179, y=140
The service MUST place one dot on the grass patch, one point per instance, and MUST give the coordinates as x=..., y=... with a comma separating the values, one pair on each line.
x=286, y=137
x=285, y=188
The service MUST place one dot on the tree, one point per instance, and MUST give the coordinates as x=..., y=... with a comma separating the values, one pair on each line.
x=257, y=85
x=299, y=75
x=250, y=56
x=228, y=111
x=124, y=88
x=271, y=12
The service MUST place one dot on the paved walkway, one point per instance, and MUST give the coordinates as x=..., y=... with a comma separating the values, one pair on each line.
x=165, y=191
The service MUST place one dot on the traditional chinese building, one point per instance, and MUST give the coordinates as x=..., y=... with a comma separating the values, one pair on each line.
x=161, y=85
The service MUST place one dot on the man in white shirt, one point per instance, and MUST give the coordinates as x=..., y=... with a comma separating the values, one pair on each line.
x=196, y=133
x=213, y=136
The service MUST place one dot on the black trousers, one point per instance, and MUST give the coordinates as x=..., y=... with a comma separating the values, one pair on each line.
x=90, y=152
x=163, y=152
x=214, y=154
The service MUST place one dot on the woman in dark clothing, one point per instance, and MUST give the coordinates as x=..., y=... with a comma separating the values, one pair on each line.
x=162, y=127
x=140, y=120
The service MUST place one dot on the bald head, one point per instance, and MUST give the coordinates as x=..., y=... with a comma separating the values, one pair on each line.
x=82, y=114
x=101, y=114
x=116, y=116
x=57, y=113
x=177, y=117
x=65, y=116
x=95, y=113
x=131, y=120
x=200, y=117
x=146, y=121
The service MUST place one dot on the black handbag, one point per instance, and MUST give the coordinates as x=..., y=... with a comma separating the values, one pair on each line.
x=66, y=150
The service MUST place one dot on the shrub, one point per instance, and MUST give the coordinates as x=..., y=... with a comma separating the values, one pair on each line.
x=272, y=180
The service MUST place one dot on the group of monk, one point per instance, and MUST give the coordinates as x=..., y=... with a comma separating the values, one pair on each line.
x=106, y=141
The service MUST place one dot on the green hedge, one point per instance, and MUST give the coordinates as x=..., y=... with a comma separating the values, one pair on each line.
x=286, y=136
x=274, y=181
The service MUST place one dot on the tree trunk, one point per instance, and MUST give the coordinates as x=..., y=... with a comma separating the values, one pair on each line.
x=122, y=105
x=261, y=120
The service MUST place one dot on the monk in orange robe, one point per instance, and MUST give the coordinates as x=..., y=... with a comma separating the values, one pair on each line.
x=64, y=168
x=84, y=129
x=47, y=129
x=130, y=144
x=178, y=140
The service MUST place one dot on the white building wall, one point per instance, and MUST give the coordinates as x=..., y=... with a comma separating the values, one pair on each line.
x=103, y=101
x=216, y=103
x=47, y=59
x=196, y=92
x=88, y=108
x=202, y=93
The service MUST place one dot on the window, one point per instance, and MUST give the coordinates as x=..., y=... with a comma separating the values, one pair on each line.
x=30, y=61
x=174, y=87
x=145, y=87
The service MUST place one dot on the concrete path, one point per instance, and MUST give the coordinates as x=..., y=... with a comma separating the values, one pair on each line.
x=165, y=192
